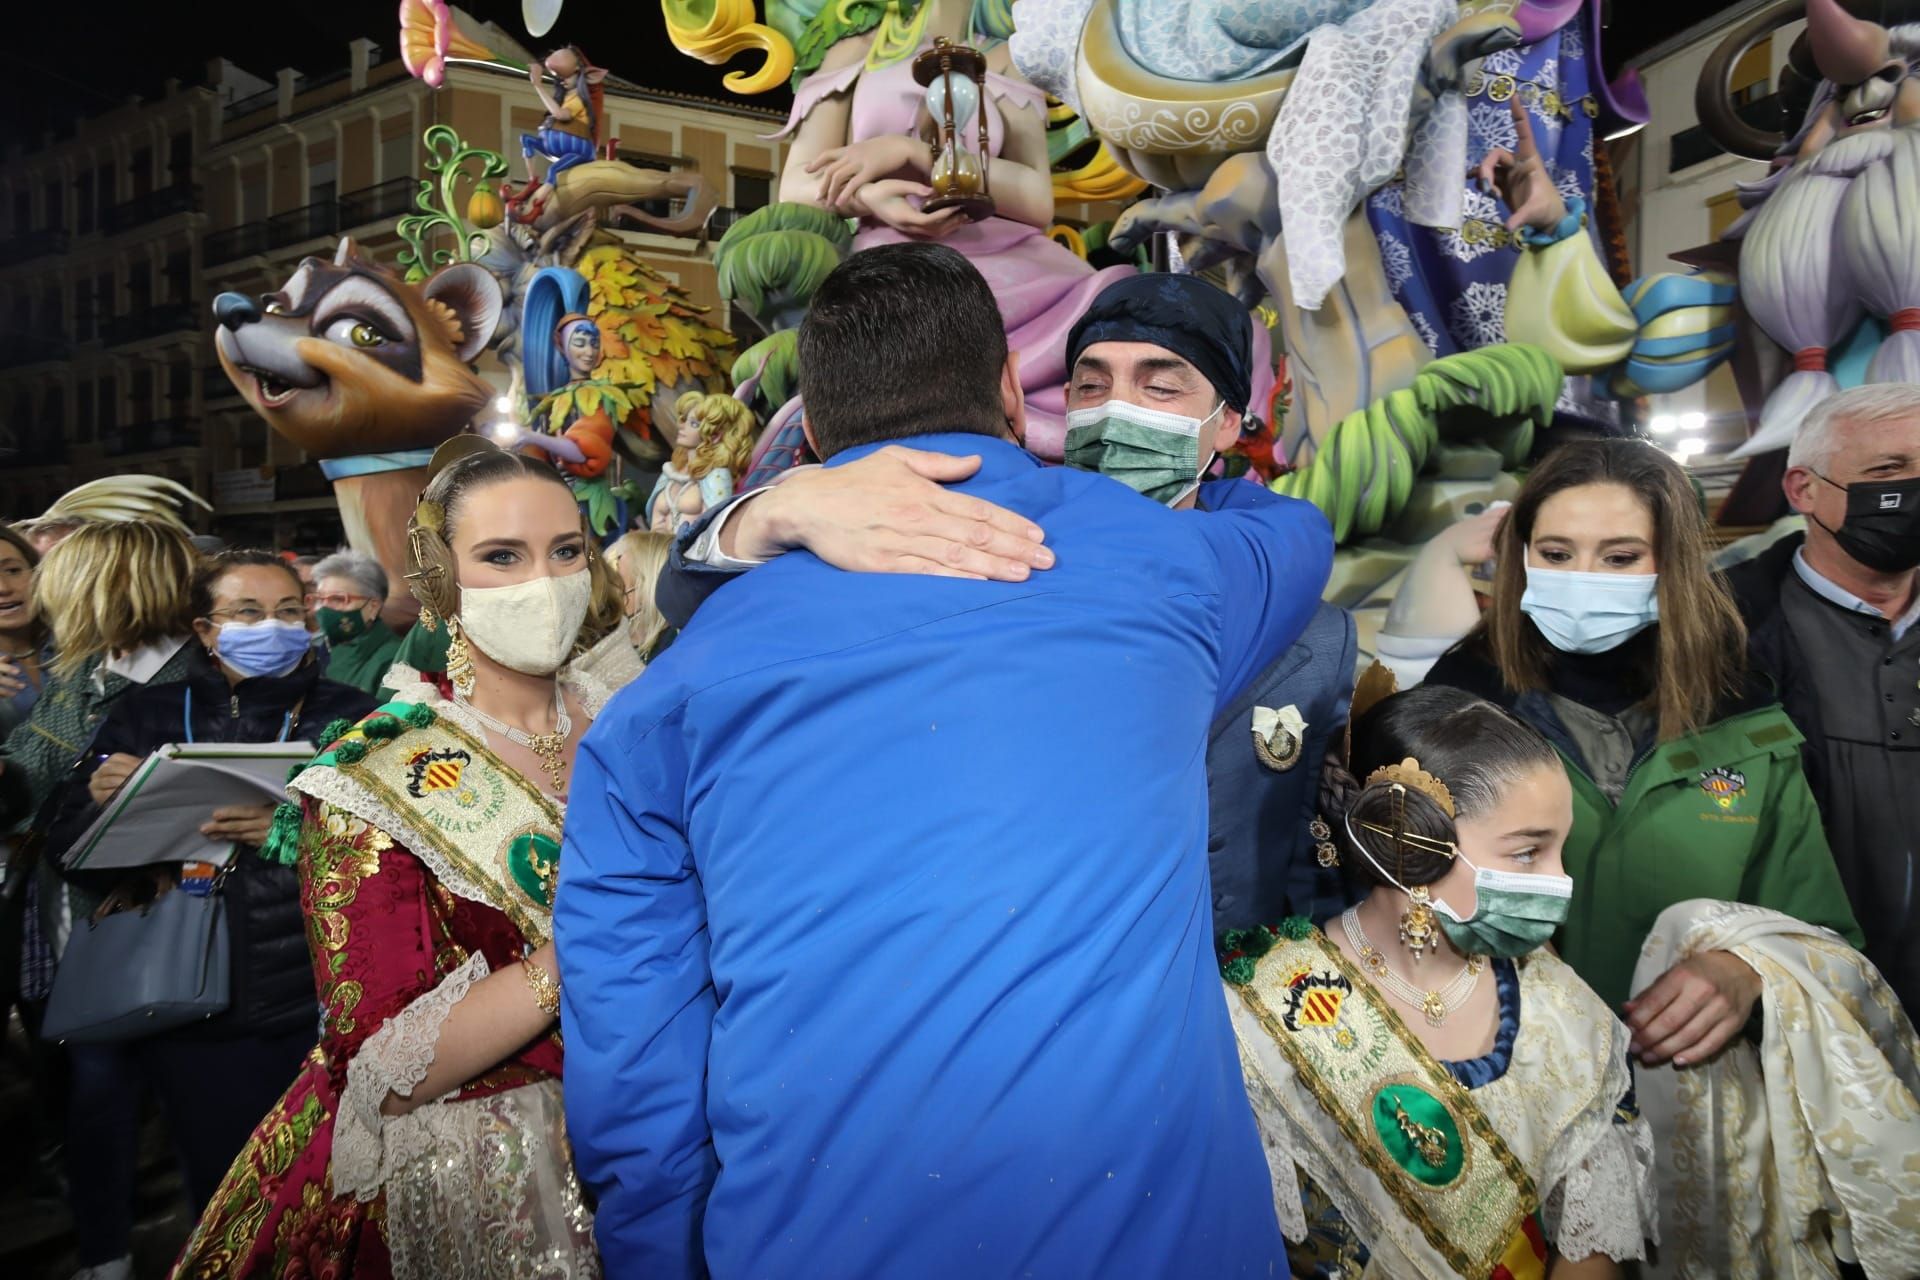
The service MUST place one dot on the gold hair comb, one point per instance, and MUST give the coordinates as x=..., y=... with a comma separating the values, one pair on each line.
x=1409, y=774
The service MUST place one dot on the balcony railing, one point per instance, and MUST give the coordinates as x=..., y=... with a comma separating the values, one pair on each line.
x=235, y=242
x=388, y=199
x=17, y=349
x=46, y=242
x=295, y=225
x=307, y=84
x=253, y=102
x=180, y=198
x=216, y=384
x=150, y=437
x=168, y=317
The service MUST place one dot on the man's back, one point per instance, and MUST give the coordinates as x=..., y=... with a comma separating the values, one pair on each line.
x=950, y=848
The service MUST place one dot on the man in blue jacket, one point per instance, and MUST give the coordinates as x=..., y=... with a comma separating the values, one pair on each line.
x=850, y=989
x=1161, y=361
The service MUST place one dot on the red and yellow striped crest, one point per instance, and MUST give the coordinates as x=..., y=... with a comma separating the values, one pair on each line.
x=1320, y=1007
x=441, y=775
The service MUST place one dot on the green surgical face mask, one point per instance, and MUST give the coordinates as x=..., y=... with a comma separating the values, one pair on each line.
x=1514, y=912
x=340, y=625
x=1148, y=450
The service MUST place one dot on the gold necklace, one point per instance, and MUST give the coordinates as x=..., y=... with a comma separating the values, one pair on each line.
x=1435, y=1005
x=546, y=746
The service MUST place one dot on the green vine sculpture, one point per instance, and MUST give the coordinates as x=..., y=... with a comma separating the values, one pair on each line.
x=447, y=158
x=1363, y=474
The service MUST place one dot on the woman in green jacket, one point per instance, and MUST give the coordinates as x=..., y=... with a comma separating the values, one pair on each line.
x=349, y=590
x=1610, y=635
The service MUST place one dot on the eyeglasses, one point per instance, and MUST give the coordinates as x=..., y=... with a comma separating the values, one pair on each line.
x=248, y=615
x=336, y=601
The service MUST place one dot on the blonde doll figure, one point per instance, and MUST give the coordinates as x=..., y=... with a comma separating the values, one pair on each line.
x=710, y=450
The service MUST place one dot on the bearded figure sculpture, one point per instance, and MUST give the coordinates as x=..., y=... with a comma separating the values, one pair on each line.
x=1828, y=251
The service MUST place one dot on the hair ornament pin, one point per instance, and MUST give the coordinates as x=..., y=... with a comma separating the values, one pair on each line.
x=430, y=516
x=421, y=550
x=1410, y=775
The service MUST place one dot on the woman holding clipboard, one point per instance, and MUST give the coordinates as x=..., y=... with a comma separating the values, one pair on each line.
x=250, y=677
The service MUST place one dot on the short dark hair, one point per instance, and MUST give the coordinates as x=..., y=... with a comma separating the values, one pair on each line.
x=221, y=563
x=901, y=340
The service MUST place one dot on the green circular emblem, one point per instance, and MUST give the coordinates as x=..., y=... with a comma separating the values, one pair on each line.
x=533, y=860
x=1419, y=1134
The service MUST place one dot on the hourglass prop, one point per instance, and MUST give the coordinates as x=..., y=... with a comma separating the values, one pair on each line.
x=955, y=77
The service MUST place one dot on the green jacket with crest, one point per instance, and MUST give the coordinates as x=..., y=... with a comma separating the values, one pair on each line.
x=1724, y=813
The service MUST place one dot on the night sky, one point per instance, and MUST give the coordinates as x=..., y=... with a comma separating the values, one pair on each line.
x=60, y=58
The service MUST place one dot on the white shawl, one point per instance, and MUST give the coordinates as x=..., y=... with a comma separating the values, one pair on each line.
x=1773, y=1162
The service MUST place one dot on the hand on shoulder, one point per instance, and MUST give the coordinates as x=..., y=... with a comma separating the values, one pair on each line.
x=891, y=512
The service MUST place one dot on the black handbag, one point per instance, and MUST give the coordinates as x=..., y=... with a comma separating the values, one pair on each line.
x=138, y=973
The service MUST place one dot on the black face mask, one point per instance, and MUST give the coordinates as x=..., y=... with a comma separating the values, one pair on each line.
x=1882, y=528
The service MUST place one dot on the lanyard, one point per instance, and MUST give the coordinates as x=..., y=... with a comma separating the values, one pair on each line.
x=286, y=725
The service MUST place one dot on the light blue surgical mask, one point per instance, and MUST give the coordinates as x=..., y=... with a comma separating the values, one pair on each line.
x=265, y=648
x=1590, y=612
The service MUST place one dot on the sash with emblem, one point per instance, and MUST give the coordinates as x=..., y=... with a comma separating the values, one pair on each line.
x=1454, y=1185
x=487, y=832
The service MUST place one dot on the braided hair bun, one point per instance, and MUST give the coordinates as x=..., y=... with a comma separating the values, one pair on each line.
x=1473, y=747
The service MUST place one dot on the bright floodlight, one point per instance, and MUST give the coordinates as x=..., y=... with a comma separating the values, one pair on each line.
x=1684, y=449
x=1663, y=424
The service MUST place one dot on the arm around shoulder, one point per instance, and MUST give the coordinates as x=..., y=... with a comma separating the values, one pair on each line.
x=1272, y=560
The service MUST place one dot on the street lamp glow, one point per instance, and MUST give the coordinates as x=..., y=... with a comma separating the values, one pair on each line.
x=1663, y=424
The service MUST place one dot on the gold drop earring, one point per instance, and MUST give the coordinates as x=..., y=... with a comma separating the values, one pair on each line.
x=1417, y=932
x=459, y=661
x=1416, y=922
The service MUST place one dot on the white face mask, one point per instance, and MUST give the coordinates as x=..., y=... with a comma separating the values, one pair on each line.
x=530, y=626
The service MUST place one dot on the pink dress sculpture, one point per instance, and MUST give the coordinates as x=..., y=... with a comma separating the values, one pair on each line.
x=1041, y=286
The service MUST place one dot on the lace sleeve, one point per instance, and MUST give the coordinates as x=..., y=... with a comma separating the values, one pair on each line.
x=367, y=1146
x=1264, y=1073
x=1606, y=1203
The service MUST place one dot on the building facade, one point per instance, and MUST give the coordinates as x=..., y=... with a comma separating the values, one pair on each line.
x=117, y=239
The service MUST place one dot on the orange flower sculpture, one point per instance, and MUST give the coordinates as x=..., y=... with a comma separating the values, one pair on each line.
x=653, y=338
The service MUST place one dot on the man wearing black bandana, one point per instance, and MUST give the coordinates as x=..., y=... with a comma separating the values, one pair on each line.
x=1161, y=376
x=1832, y=619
